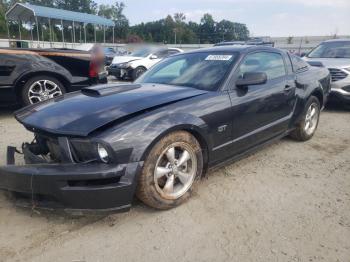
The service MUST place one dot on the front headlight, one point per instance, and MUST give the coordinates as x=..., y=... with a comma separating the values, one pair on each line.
x=347, y=69
x=102, y=153
x=124, y=65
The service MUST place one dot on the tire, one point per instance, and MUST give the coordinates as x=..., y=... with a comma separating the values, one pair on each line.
x=31, y=92
x=304, y=131
x=152, y=186
x=137, y=72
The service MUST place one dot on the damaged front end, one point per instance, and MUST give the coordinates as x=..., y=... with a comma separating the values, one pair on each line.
x=68, y=173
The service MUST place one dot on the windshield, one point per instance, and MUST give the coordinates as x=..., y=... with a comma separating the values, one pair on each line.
x=331, y=50
x=202, y=70
x=144, y=52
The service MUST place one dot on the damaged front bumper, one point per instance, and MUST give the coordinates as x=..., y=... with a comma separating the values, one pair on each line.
x=71, y=186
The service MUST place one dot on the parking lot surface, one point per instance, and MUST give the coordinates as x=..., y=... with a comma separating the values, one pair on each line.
x=287, y=202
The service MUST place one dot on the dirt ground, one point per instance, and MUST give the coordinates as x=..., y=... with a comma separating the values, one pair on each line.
x=287, y=202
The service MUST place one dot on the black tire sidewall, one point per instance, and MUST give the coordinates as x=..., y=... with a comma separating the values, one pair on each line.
x=25, y=90
x=146, y=181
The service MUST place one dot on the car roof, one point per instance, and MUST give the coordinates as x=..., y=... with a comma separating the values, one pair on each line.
x=176, y=49
x=337, y=40
x=236, y=48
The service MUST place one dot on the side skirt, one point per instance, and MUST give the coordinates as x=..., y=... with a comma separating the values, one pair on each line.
x=246, y=153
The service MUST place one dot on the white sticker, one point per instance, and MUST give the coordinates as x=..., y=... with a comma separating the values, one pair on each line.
x=218, y=57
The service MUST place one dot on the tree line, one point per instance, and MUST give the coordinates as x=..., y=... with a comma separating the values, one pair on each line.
x=171, y=29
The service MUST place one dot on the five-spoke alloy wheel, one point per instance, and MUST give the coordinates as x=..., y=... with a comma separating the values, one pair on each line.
x=307, y=126
x=175, y=170
x=171, y=170
x=311, y=118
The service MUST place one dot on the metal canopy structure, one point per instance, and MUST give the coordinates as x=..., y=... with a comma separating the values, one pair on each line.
x=28, y=13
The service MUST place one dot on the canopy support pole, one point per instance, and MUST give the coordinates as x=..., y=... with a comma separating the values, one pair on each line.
x=104, y=34
x=42, y=35
x=37, y=31
x=62, y=32
x=95, y=32
x=8, y=31
x=85, y=32
x=31, y=33
x=73, y=33
x=113, y=34
x=19, y=30
x=50, y=32
x=80, y=33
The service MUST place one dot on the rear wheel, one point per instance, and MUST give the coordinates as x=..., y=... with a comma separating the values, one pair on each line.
x=171, y=170
x=308, y=125
x=41, y=88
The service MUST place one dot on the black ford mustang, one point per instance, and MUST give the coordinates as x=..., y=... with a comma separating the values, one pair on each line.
x=98, y=147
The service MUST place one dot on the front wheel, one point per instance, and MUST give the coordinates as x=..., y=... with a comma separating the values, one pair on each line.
x=171, y=170
x=138, y=71
x=306, y=128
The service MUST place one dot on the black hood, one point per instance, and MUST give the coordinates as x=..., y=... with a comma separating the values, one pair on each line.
x=82, y=112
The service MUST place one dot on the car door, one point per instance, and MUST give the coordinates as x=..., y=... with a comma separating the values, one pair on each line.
x=260, y=112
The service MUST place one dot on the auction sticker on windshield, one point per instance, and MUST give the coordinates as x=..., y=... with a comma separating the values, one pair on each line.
x=218, y=57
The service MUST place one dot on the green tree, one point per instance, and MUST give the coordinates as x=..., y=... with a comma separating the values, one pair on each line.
x=3, y=29
x=115, y=13
x=83, y=6
x=207, y=29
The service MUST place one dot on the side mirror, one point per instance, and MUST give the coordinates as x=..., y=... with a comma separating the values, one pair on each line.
x=302, y=54
x=252, y=78
x=154, y=57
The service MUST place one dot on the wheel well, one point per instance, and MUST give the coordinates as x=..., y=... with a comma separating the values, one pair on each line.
x=21, y=81
x=204, y=146
x=319, y=95
x=141, y=66
x=202, y=142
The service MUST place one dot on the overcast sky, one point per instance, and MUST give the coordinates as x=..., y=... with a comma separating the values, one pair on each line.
x=263, y=17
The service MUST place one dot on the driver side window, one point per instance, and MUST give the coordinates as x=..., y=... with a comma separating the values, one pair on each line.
x=270, y=63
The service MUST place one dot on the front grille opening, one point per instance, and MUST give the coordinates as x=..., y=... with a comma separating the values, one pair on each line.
x=94, y=182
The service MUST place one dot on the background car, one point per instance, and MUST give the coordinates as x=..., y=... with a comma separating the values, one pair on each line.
x=133, y=65
x=264, y=41
x=109, y=54
x=335, y=55
x=28, y=76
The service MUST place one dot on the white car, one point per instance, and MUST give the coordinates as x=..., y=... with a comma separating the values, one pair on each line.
x=135, y=64
x=335, y=55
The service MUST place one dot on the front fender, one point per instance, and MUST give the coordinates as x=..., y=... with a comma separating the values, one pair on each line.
x=132, y=140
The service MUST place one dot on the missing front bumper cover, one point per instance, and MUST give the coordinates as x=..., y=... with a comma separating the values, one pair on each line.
x=71, y=186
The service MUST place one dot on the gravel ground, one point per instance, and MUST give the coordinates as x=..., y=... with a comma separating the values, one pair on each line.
x=287, y=202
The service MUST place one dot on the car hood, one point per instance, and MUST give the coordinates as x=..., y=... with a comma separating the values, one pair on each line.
x=331, y=62
x=124, y=59
x=82, y=112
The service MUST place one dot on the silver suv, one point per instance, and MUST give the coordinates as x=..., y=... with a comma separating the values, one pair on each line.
x=335, y=55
